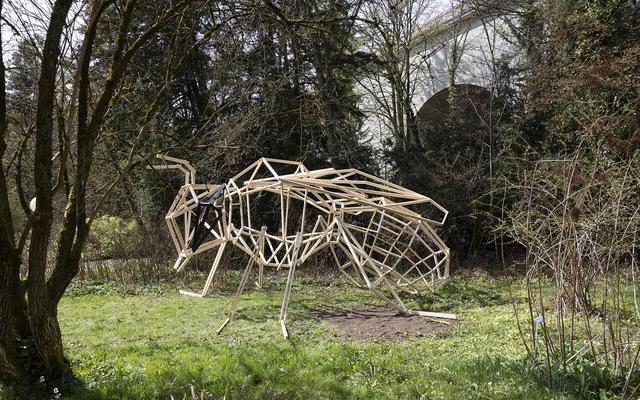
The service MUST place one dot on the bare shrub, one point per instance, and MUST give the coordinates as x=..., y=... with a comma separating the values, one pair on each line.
x=579, y=221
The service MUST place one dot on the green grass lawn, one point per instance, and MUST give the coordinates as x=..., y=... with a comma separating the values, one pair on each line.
x=157, y=344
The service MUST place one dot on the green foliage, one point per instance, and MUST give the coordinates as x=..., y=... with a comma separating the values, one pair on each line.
x=583, y=378
x=110, y=288
x=112, y=236
x=569, y=167
x=581, y=80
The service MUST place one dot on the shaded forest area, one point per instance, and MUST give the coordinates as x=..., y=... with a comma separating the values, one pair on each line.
x=543, y=182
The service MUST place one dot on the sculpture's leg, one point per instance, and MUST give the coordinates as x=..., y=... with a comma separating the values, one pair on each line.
x=433, y=314
x=234, y=301
x=399, y=304
x=260, y=275
x=243, y=281
x=287, y=290
x=259, y=256
x=212, y=273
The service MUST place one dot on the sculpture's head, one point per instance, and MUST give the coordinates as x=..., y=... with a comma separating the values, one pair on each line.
x=197, y=216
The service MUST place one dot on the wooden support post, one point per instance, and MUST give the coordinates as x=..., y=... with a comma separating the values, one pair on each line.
x=243, y=281
x=260, y=256
x=285, y=331
x=433, y=314
x=287, y=291
x=214, y=268
x=399, y=301
x=236, y=298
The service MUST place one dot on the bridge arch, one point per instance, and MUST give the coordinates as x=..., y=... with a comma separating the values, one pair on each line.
x=464, y=104
x=464, y=45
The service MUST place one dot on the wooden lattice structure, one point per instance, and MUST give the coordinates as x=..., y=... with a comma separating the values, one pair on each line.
x=369, y=226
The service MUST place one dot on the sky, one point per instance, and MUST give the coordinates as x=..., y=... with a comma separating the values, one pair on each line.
x=30, y=17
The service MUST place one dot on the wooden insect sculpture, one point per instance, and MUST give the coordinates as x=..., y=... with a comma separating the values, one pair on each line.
x=280, y=214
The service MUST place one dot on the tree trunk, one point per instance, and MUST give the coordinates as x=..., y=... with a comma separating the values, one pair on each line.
x=10, y=370
x=43, y=316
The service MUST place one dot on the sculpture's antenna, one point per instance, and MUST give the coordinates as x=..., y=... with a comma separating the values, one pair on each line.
x=179, y=164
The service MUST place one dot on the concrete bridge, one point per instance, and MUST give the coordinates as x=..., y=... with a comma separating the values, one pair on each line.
x=467, y=48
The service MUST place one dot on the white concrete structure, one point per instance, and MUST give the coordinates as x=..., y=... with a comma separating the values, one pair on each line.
x=466, y=45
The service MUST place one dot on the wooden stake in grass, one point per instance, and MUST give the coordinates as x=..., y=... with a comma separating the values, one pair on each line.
x=372, y=227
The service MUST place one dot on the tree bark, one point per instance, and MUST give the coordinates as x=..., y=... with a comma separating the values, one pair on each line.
x=67, y=261
x=10, y=370
x=43, y=316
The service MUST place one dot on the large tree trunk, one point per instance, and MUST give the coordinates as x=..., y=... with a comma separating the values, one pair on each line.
x=10, y=370
x=9, y=261
x=37, y=319
x=43, y=316
x=44, y=295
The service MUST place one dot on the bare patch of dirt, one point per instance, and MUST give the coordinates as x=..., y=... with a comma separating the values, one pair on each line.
x=381, y=323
